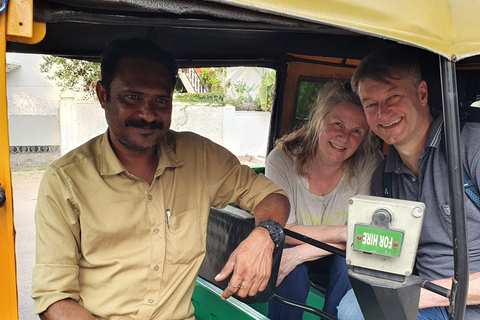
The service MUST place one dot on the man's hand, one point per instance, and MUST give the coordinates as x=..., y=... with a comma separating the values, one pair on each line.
x=251, y=264
x=430, y=299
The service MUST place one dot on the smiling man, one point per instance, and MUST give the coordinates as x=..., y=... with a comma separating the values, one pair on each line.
x=122, y=220
x=395, y=102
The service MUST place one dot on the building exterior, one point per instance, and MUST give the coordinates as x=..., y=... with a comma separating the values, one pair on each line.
x=32, y=106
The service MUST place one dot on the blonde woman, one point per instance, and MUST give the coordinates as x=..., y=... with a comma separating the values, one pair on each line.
x=320, y=166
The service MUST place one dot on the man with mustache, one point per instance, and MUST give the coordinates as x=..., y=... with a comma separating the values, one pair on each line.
x=121, y=220
x=395, y=101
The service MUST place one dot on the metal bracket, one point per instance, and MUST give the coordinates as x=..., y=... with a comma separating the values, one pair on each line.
x=20, y=18
x=20, y=24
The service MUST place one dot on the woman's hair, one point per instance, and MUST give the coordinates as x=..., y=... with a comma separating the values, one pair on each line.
x=302, y=144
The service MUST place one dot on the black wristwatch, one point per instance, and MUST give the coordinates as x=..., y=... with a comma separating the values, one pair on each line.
x=275, y=230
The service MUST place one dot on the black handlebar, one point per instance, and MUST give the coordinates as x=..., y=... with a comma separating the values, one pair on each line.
x=3, y=198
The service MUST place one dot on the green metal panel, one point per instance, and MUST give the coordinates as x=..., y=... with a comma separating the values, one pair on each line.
x=209, y=306
x=315, y=299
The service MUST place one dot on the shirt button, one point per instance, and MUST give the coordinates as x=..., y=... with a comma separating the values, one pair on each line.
x=414, y=179
x=155, y=230
x=156, y=268
x=150, y=300
x=150, y=197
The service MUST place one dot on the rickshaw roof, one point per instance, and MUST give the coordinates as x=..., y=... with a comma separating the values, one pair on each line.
x=446, y=27
x=251, y=30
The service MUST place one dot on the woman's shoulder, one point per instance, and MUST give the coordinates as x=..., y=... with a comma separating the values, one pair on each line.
x=371, y=163
x=277, y=154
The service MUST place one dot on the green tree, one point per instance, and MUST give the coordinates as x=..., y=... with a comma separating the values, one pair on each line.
x=307, y=95
x=76, y=75
x=267, y=90
x=212, y=78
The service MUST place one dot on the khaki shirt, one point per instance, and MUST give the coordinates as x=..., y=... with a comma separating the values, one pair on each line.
x=102, y=233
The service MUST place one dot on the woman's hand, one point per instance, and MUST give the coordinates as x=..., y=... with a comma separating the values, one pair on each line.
x=288, y=263
x=292, y=257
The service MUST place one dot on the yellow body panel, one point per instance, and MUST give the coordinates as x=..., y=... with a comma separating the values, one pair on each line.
x=8, y=291
x=447, y=27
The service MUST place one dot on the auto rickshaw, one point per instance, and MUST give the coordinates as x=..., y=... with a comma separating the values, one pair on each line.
x=299, y=39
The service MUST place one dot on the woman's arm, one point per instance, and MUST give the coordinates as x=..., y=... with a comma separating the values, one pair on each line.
x=333, y=235
x=292, y=257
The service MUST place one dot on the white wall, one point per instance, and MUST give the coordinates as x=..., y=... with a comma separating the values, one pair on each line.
x=80, y=121
x=32, y=103
x=202, y=119
x=242, y=132
x=34, y=130
x=251, y=133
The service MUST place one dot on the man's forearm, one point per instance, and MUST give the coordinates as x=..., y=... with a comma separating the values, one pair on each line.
x=273, y=207
x=66, y=309
x=430, y=299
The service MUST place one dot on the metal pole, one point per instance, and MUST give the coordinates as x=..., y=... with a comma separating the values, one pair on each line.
x=457, y=194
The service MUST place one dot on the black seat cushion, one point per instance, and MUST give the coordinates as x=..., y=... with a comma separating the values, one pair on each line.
x=226, y=229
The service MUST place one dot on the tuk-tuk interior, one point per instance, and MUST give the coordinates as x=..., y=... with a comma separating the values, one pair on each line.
x=208, y=33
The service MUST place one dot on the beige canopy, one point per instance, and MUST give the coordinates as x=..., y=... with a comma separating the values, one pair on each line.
x=450, y=28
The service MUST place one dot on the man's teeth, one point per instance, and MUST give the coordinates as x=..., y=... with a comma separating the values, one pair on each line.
x=392, y=123
x=336, y=146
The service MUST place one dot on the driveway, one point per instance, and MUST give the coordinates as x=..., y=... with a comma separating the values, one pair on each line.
x=25, y=189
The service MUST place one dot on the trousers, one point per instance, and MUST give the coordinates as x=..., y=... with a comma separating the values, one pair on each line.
x=296, y=285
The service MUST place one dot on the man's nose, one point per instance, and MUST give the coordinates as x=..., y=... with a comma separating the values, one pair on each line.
x=383, y=111
x=148, y=111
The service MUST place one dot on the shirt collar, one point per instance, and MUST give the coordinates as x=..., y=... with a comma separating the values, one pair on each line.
x=111, y=165
x=167, y=157
x=435, y=132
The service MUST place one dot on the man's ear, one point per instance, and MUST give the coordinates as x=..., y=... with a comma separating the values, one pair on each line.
x=101, y=94
x=423, y=92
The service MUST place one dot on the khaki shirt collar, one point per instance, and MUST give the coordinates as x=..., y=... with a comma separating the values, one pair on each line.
x=111, y=165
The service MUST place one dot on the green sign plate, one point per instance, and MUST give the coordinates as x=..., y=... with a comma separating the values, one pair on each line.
x=379, y=241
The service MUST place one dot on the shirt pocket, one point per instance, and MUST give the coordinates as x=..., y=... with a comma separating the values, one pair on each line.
x=185, y=238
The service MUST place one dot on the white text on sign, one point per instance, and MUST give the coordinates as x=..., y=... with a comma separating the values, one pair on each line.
x=372, y=240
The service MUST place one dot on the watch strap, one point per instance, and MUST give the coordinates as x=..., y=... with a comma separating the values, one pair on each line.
x=275, y=230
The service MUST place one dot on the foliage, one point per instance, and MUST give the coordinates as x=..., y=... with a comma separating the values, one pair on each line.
x=212, y=78
x=210, y=98
x=242, y=96
x=307, y=95
x=267, y=90
x=82, y=76
x=76, y=75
